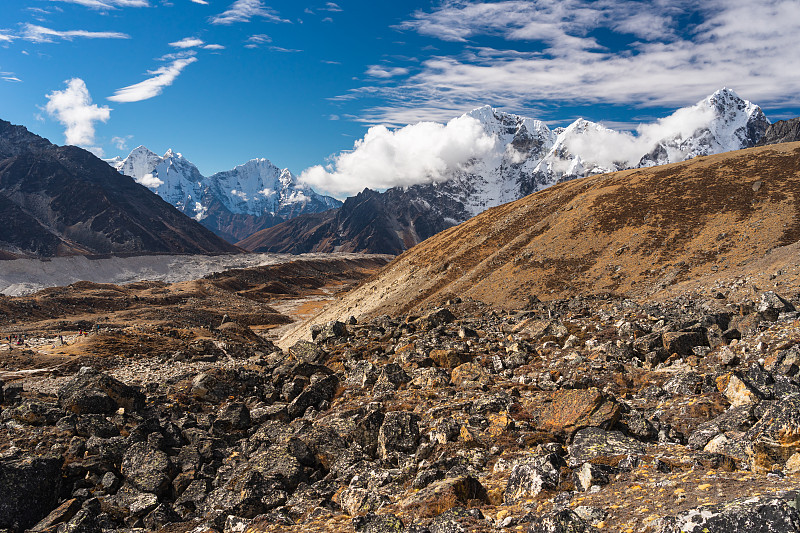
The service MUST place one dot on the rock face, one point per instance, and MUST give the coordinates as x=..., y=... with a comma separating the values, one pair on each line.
x=233, y=204
x=783, y=131
x=529, y=157
x=65, y=201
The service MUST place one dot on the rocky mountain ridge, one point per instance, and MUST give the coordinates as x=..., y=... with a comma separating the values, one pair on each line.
x=234, y=203
x=64, y=201
x=528, y=157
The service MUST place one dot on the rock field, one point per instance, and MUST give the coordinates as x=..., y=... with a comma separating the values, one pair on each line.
x=575, y=415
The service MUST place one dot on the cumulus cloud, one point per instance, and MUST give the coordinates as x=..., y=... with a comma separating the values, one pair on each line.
x=151, y=87
x=148, y=180
x=244, y=11
x=107, y=4
x=664, y=54
x=40, y=34
x=73, y=108
x=421, y=153
x=188, y=42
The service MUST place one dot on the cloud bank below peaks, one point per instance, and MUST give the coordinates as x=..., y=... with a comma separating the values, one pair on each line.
x=426, y=152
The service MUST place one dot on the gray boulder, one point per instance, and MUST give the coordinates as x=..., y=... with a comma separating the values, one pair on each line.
x=29, y=490
x=767, y=514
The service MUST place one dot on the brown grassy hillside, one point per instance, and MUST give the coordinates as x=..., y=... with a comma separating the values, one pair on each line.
x=637, y=233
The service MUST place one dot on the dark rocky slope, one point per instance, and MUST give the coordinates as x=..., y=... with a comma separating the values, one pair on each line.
x=65, y=201
x=783, y=131
x=373, y=222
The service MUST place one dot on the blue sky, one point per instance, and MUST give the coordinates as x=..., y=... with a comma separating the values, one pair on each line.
x=223, y=81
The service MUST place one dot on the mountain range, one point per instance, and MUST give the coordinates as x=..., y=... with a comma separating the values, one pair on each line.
x=233, y=204
x=699, y=225
x=528, y=157
x=62, y=200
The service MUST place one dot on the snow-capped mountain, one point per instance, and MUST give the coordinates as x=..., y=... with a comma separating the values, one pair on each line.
x=528, y=157
x=234, y=203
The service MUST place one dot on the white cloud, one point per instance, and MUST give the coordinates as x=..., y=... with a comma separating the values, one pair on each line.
x=107, y=4
x=73, y=108
x=121, y=142
x=188, y=42
x=377, y=71
x=201, y=2
x=152, y=87
x=148, y=180
x=40, y=34
x=672, y=52
x=254, y=41
x=12, y=79
x=421, y=153
x=330, y=6
x=5, y=37
x=244, y=10
x=213, y=47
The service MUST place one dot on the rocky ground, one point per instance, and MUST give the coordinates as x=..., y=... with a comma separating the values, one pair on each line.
x=572, y=415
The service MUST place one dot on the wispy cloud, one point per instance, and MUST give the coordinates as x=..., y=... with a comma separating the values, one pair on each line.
x=255, y=41
x=201, y=2
x=107, y=4
x=244, y=11
x=40, y=34
x=188, y=42
x=378, y=71
x=151, y=87
x=6, y=37
x=330, y=6
x=213, y=47
x=672, y=53
x=73, y=108
x=121, y=143
x=11, y=79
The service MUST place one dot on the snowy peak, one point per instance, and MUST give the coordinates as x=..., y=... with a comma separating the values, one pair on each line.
x=255, y=189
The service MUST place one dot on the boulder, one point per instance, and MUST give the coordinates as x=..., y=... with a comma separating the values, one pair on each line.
x=444, y=494
x=436, y=318
x=374, y=523
x=399, y=433
x=307, y=352
x=574, y=409
x=147, y=469
x=529, y=478
x=591, y=474
x=771, y=305
x=356, y=501
x=29, y=490
x=321, y=390
x=591, y=443
x=91, y=391
x=776, y=436
x=766, y=514
x=564, y=521
x=682, y=342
